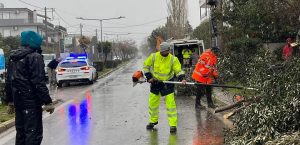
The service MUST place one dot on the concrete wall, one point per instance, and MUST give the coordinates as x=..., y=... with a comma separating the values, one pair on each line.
x=20, y=15
x=15, y=14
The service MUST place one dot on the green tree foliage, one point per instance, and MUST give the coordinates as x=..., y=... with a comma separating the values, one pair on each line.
x=269, y=20
x=12, y=42
x=234, y=63
x=202, y=33
x=277, y=110
x=106, y=46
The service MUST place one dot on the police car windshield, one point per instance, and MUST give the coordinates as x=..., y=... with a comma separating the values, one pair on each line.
x=73, y=64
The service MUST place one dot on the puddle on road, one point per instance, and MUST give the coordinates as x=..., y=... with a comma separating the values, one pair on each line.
x=208, y=131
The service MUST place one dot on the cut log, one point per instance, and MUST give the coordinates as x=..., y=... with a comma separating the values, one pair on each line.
x=247, y=103
x=224, y=108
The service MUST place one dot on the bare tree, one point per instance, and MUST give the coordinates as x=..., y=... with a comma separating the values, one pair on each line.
x=177, y=19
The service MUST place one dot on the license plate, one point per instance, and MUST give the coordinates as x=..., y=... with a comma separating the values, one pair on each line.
x=73, y=76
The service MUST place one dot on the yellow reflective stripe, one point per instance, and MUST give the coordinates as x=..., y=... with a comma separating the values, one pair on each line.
x=146, y=69
x=180, y=73
x=161, y=75
x=200, y=74
x=153, y=114
x=153, y=109
x=171, y=109
x=172, y=115
x=153, y=59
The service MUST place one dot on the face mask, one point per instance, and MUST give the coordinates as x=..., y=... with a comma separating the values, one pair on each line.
x=164, y=54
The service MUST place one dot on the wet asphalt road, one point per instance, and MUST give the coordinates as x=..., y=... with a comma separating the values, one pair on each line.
x=112, y=112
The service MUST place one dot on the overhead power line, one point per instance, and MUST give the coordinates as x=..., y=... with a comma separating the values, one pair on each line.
x=30, y=4
x=137, y=25
x=128, y=26
x=62, y=18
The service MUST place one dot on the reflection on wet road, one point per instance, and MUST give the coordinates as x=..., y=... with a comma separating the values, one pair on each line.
x=79, y=122
x=112, y=112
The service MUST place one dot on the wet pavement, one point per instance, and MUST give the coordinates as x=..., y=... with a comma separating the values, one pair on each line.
x=112, y=112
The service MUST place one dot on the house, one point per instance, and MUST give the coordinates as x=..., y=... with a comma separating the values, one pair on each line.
x=204, y=11
x=13, y=21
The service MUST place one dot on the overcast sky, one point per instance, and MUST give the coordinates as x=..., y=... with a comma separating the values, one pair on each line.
x=150, y=13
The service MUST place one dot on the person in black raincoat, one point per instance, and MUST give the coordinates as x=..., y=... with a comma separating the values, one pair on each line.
x=26, y=89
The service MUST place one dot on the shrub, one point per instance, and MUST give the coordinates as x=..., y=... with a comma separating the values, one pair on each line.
x=99, y=65
x=111, y=64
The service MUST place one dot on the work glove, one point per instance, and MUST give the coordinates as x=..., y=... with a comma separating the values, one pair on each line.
x=49, y=108
x=11, y=108
x=152, y=81
x=183, y=82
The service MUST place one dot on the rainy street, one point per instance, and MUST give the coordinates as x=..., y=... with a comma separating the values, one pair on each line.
x=112, y=112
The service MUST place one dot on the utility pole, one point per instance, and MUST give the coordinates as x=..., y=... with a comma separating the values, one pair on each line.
x=46, y=28
x=81, y=30
x=97, y=34
x=96, y=43
x=102, y=56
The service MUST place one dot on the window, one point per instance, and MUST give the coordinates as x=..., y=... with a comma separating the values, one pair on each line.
x=73, y=64
x=5, y=15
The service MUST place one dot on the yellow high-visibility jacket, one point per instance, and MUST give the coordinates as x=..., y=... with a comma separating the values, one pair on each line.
x=186, y=53
x=162, y=68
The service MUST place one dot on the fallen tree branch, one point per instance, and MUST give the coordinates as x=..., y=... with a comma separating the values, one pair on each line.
x=224, y=108
x=228, y=107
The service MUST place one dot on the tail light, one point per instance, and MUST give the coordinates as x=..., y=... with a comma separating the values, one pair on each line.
x=85, y=68
x=61, y=69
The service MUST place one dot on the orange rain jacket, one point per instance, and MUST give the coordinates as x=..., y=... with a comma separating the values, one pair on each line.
x=205, y=69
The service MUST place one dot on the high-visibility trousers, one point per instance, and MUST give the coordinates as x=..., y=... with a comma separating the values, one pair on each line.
x=154, y=101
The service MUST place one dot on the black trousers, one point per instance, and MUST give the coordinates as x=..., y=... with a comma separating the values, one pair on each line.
x=29, y=126
x=201, y=91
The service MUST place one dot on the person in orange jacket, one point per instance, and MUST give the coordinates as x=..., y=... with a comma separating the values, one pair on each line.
x=205, y=72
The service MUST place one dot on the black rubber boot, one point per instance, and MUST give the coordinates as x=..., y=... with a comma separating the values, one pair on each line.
x=173, y=129
x=197, y=103
x=151, y=125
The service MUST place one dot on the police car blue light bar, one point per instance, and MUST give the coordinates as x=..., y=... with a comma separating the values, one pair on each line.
x=78, y=55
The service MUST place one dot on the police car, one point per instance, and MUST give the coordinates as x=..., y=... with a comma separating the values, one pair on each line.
x=75, y=69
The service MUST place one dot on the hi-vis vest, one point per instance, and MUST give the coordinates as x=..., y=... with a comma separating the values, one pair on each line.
x=205, y=69
x=186, y=53
x=162, y=68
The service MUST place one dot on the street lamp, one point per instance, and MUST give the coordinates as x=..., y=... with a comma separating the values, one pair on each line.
x=100, y=20
x=117, y=34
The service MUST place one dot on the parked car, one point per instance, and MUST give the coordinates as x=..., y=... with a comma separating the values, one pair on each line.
x=116, y=58
x=78, y=69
